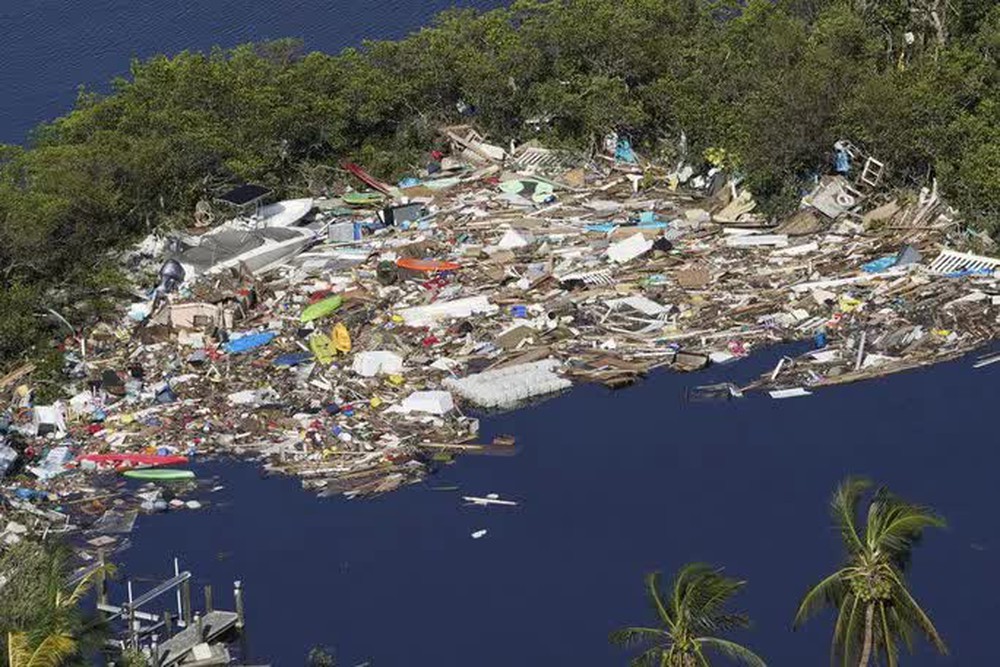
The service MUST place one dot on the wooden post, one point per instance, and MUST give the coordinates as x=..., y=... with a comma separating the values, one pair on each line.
x=168, y=624
x=155, y=649
x=186, y=602
x=200, y=629
x=238, y=595
x=208, y=599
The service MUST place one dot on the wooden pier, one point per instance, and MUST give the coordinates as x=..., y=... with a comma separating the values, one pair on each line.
x=154, y=633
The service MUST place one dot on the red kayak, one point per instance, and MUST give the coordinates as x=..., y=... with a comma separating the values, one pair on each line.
x=427, y=265
x=133, y=460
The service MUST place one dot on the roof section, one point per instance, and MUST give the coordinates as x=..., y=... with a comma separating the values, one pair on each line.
x=244, y=194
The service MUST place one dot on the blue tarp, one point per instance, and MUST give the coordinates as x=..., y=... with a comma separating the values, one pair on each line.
x=249, y=342
x=603, y=227
x=879, y=265
x=624, y=152
x=293, y=359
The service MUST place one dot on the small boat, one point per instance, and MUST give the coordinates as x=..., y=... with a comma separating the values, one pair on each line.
x=426, y=265
x=284, y=213
x=321, y=308
x=128, y=460
x=258, y=250
x=363, y=198
x=159, y=474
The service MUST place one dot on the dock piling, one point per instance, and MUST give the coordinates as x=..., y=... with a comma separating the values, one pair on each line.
x=238, y=595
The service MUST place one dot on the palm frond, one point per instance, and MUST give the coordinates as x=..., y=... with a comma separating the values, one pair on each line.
x=700, y=656
x=840, y=626
x=84, y=585
x=911, y=612
x=850, y=634
x=633, y=636
x=723, y=622
x=53, y=651
x=902, y=628
x=844, y=510
x=710, y=592
x=888, y=638
x=654, y=595
x=18, y=652
x=651, y=657
x=733, y=651
x=828, y=592
x=901, y=526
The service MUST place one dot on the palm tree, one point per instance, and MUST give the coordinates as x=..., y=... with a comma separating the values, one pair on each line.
x=694, y=607
x=875, y=609
x=53, y=651
x=52, y=637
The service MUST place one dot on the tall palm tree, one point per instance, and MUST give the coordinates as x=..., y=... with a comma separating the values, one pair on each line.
x=875, y=609
x=687, y=616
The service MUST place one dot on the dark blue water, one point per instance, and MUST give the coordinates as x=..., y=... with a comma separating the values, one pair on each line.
x=612, y=485
x=50, y=47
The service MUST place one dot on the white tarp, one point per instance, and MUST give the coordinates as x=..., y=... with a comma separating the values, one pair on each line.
x=629, y=249
x=422, y=316
x=756, y=240
x=640, y=303
x=431, y=402
x=515, y=239
x=370, y=364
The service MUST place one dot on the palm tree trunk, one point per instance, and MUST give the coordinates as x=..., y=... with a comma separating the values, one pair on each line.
x=866, y=650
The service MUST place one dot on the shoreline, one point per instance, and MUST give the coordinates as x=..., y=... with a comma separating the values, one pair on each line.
x=486, y=285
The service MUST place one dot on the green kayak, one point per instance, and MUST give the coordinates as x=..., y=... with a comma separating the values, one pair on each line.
x=321, y=309
x=362, y=198
x=159, y=474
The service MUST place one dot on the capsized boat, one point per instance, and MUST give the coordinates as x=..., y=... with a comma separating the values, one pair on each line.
x=159, y=474
x=257, y=249
x=133, y=460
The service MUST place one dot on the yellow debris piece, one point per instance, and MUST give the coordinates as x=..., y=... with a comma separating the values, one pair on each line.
x=848, y=304
x=341, y=338
x=322, y=348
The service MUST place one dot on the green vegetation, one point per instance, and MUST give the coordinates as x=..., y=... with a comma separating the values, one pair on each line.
x=41, y=623
x=769, y=84
x=875, y=610
x=687, y=614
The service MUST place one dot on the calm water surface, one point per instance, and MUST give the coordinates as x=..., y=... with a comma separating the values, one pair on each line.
x=612, y=485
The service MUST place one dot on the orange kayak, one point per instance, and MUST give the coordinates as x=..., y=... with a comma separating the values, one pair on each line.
x=427, y=265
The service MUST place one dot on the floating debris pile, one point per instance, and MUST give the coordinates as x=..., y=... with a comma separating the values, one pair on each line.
x=339, y=338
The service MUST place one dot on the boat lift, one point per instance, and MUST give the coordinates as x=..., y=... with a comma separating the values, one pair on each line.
x=145, y=628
